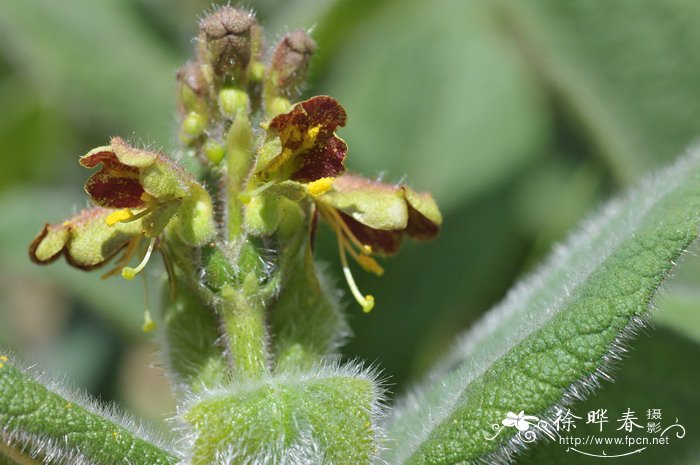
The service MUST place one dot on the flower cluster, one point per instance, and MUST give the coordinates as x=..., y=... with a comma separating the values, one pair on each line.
x=144, y=200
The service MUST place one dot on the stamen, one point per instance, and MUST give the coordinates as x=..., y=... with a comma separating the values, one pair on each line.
x=320, y=186
x=118, y=216
x=336, y=219
x=129, y=272
x=125, y=259
x=245, y=197
x=366, y=301
x=148, y=324
x=126, y=216
x=370, y=264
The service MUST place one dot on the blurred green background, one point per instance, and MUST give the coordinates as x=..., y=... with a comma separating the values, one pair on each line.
x=520, y=117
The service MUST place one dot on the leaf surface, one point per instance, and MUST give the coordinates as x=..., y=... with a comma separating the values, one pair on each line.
x=555, y=334
x=37, y=421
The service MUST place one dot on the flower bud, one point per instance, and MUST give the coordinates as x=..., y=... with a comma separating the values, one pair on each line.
x=290, y=61
x=192, y=88
x=227, y=38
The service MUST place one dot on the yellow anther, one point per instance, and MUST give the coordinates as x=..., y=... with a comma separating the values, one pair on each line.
x=118, y=216
x=129, y=272
x=368, y=304
x=290, y=133
x=148, y=324
x=320, y=186
x=2, y=364
x=311, y=136
x=370, y=264
x=4, y=358
x=69, y=405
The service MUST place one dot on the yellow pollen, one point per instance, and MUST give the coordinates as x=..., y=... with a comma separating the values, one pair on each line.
x=148, y=324
x=290, y=133
x=69, y=405
x=4, y=358
x=129, y=272
x=2, y=365
x=311, y=136
x=320, y=186
x=118, y=216
x=370, y=264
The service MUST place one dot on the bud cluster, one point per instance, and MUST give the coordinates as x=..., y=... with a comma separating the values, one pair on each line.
x=231, y=72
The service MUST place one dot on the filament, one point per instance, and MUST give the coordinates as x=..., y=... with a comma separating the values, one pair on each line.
x=129, y=272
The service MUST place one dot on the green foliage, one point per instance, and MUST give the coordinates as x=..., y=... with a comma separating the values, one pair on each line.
x=294, y=418
x=44, y=425
x=519, y=116
x=554, y=335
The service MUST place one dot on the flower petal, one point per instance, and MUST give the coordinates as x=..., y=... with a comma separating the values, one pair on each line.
x=115, y=185
x=374, y=204
x=424, y=217
x=385, y=242
x=310, y=148
x=85, y=240
x=319, y=162
x=131, y=156
x=322, y=111
x=49, y=243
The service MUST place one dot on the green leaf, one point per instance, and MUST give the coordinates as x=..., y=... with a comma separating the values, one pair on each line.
x=660, y=373
x=41, y=423
x=326, y=415
x=553, y=336
x=627, y=71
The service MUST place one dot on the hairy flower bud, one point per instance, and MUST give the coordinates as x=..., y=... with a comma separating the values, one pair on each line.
x=290, y=61
x=192, y=88
x=227, y=37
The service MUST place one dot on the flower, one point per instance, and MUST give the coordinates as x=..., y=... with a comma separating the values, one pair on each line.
x=309, y=149
x=138, y=194
x=85, y=240
x=303, y=156
x=371, y=217
x=520, y=421
x=135, y=179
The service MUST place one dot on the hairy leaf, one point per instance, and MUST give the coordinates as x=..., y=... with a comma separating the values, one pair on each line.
x=63, y=429
x=661, y=373
x=326, y=415
x=555, y=334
